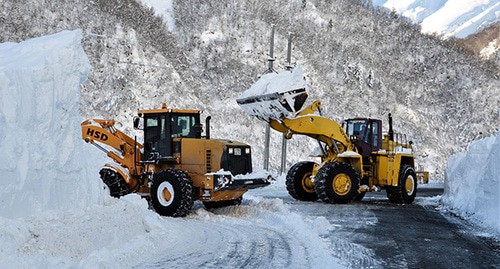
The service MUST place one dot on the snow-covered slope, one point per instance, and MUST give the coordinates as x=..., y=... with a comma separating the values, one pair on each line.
x=472, y=184
x=458, y=18
x=44, y=164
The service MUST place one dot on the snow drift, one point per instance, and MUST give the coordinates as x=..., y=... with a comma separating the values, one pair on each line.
x=45, y=164
x=472, y=182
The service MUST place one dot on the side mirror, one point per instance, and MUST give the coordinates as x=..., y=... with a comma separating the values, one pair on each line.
x=137, y=123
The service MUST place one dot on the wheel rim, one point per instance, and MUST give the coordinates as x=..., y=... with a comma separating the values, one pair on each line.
x=307, y=183
x=165, y=193
x=409, y=185
x=341, y=184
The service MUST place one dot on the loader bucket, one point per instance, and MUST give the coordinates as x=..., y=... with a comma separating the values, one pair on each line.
x=275, y=95
x=274, y=105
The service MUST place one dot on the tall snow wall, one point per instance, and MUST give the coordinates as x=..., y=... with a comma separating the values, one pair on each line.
x=44, y=164
x=472, y=182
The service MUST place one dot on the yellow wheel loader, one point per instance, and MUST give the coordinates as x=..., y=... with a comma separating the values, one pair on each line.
x=355, y=157
x=176, y=164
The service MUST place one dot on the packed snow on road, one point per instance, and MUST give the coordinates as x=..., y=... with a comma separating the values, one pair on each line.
x=55, y=213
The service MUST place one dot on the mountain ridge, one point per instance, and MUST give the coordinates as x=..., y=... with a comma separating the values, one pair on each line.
x=468, y=23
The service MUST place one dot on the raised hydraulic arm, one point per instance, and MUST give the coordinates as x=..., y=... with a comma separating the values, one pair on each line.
x=127, y=152
x=315, y=126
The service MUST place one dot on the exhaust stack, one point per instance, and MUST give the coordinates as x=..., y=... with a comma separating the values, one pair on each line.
x=207, y=126
x=391, y=131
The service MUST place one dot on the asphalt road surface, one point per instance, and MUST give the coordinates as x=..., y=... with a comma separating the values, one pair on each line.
x=407, y=236
x=280, y=232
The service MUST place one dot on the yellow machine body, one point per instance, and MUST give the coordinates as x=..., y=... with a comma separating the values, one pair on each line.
x=174, y=152
x=355, y=156
x=376, y=169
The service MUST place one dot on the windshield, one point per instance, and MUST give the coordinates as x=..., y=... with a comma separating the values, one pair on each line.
x=356, y=128
x=185, y=126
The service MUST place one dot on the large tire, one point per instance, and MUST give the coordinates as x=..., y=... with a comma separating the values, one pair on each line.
x=337, y=182
x=114, y=182
x=175, y=185
x=298, y=182
x=219, y=204
x=406, y=190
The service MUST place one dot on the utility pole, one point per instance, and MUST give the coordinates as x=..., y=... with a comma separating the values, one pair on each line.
x=283, y=139
x=268, y=128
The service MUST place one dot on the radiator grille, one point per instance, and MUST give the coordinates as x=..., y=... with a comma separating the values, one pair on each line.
x=209, y=161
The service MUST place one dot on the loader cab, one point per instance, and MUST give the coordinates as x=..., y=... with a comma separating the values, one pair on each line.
x=162, y=127
x=366, y=134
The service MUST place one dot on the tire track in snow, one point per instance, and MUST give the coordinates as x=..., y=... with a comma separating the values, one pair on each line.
x=240, y=237
x=232, y=246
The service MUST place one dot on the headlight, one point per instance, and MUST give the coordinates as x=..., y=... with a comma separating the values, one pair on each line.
x=247, y=150
x=230, y=150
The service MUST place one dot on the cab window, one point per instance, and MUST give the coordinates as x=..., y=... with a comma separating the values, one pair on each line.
x=375, y=133
x=356, y=128
x=152, y=122
x=184, y=126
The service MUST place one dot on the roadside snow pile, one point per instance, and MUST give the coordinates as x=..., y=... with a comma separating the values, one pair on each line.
x=44, y=162
x=109, y=236
x=472, y=182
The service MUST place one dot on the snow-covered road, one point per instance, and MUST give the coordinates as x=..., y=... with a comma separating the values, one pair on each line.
x=261, y=233
x=272, y=230
x=375, y=233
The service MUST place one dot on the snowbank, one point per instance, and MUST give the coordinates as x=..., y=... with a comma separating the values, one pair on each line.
x=45, y=164
x=123, y=233
x=106, y=236
x=472, y=182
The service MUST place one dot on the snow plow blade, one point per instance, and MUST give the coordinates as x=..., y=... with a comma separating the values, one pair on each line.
x=275, y=105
